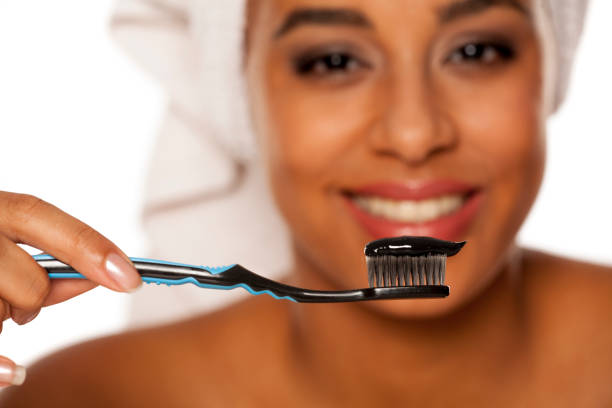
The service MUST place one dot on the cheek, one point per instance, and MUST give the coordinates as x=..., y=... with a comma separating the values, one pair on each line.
x=500, y=131
x=500, y=121
x=500, y=126
x=506, y=136
x=508, y=131
x=311, y=129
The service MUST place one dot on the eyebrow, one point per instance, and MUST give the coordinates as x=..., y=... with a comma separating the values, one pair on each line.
x=322, y=16
x=466, y=8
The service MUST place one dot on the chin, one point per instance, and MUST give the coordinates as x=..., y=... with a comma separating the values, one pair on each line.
x=423, y=309
x=468, y=276
x=418, y=309
x=415, y=309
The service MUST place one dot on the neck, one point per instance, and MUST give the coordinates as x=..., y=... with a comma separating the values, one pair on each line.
x=362, y=349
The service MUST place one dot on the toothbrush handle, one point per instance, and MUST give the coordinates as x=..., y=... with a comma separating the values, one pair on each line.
x=171, y=273
x=151, y=270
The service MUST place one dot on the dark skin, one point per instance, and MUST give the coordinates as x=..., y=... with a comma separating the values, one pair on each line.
x=521, y=328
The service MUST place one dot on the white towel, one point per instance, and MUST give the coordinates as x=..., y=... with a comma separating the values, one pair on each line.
x=205, y=180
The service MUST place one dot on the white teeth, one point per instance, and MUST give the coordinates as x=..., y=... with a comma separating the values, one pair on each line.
x=410, y=210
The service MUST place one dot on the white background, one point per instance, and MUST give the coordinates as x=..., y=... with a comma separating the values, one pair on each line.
x=77, y=122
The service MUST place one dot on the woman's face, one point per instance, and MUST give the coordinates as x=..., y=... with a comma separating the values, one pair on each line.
x=398, y=117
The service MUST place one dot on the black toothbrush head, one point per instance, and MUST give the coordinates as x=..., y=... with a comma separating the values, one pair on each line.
x=408, y=261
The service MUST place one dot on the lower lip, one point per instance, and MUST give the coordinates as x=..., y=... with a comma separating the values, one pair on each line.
x=451, y=227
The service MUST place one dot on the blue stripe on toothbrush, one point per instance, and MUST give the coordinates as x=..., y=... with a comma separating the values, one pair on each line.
x=43, y=257
x=169, y=282
x=73, y=275
x=212, y=269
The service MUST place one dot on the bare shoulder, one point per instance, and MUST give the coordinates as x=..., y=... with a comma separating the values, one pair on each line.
x=570, y=283
x=571, y=314
x=179, y=363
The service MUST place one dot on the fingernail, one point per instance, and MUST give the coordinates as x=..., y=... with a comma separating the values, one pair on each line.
x=122, y=272
x=31, y=317
x=26, y=318
x=10, y=373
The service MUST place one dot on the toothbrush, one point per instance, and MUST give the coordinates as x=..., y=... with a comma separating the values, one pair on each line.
x=398, y=268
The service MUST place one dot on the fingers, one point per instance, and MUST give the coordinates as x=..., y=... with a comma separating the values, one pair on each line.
x=64, y=289
x=11, y=373
x=25, y=285
x=29, y=220
x=5, y=312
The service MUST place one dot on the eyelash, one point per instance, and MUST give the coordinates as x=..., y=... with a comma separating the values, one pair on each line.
x=328, y=63
x=481, y=53
x=340, y=62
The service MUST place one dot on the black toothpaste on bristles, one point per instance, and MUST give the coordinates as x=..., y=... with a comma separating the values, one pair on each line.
x=408, y=261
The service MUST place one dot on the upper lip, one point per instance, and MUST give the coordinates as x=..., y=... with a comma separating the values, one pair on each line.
x=416, y=190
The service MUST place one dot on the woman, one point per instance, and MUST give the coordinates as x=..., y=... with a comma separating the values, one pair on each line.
x=373, y=119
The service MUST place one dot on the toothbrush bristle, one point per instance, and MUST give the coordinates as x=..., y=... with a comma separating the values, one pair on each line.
x=393, y=271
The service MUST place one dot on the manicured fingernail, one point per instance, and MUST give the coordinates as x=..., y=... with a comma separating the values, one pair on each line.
x=26, y=318
x=31, y=317
x=122, y=272
x=19, y=375
x=11, y=373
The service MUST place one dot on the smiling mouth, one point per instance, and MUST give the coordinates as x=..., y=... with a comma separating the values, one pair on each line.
x=410, y=211
x=443, y=209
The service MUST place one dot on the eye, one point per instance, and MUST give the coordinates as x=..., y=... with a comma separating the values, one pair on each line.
x=483, y=53
x=331, y=63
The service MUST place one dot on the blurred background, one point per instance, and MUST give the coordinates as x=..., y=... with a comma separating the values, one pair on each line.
x=78, y=120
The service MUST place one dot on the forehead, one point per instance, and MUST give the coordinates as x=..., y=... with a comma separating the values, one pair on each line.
x=286, y=5
x=378, y=11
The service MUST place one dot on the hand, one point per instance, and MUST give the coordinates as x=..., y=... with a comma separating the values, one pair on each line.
x=25, y=286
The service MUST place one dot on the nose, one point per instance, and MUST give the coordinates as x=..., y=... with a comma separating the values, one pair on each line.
x=412, y=124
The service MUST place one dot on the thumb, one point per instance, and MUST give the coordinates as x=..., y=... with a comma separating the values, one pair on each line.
x=11, y=373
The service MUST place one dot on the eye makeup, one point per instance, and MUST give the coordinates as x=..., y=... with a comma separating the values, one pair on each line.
x=480, y=50
x=329, y=60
